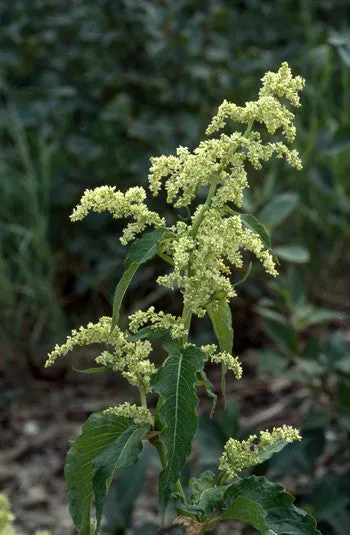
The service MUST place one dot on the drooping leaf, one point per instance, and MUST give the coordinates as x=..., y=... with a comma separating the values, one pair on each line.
x=221, y=318
x=253, y=224
x=267, y=507
x=122, y=453
x=245, y=275
x=175, y=382
x=142, y=250
x=119, y=293
x=204, y=381
x=98, y=432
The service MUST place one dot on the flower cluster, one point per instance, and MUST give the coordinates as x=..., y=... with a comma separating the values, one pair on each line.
x=120, y=205
x=139, y=415
x=241, y=454
x=130, y=358
x=158, y=320
x=229, y=361
x=201, y=263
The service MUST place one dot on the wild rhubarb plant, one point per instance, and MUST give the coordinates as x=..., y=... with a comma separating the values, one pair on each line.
x=201, y=253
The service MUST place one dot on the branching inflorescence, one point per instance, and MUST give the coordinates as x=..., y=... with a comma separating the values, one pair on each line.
x=201, y=253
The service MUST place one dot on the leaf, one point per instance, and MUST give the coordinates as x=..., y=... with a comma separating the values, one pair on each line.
x=92, y=371
x=221, y=318
x=253, y=224
x=122, y=453
x=141, y=250
x=175, y=382
x=210, y=500
x=267, y=507
x=98, y=432
x=205, y=496
x=293, y=253
x=204, y=381
x=245, y=275
x=201, y=483
x=277, y=210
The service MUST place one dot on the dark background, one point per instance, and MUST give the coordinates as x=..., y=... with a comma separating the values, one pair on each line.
x=89, y=91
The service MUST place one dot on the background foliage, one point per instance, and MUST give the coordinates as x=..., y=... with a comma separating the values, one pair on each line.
x=89, y=90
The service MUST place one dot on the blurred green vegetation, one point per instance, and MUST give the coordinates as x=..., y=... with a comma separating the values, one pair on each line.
x=90, y=90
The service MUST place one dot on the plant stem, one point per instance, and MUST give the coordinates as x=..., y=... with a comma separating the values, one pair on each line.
x=158, y=444
x=143, y=398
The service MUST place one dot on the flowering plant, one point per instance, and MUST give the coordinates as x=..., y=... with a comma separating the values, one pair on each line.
x=201, y=253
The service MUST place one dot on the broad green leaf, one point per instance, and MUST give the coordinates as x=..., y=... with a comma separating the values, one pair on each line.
x=142, y=250
x=253, y=224
x=205, y=496
x=175, y=382
x=210, y=500
x=277, y=210
x=122, y=453
x=221, y=318
x=267, y=507
x=201, y=483
x=293, y=253
x=98, y=432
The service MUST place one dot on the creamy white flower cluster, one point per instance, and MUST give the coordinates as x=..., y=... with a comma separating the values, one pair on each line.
x=158, y=320
x=119, y=205
x=130, y=358
x=229, y=361
x=201, y=264
x=238, y=455
x=139, y=415
x=223, y=159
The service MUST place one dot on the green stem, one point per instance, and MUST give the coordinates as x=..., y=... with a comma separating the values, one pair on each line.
x=158, y=444
x=200, y=216
x=143, y=398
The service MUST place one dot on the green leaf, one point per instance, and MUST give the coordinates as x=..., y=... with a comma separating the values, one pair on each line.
x=149, y=333
x=253, y=224
x=122, y=453
x=92, y=371
x=204, y=381
x=277, y=210
x=119, y=293
x=175, y=382
x=98, y=432
x=221, y=318
x=206, y=480
x=142, y=250
x=293, y=253
x=267, y=507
